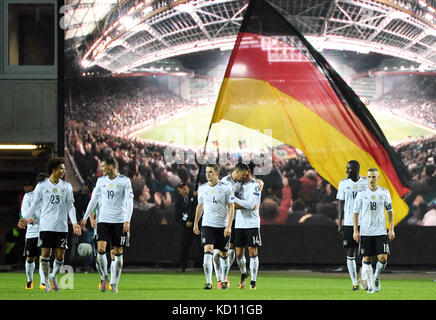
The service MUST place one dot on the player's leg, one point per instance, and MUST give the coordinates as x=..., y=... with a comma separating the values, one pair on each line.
x=118, y=241
x=253, y=253
x=349, y=244
x=222, y=244
x=112, y=268
x=59, y=254
x=103, y=236
x=242, y=263
x=382, y=259
x=208, y=265
x=46, y=238
x=217, y=267
x=208, y=235
x=30, y=268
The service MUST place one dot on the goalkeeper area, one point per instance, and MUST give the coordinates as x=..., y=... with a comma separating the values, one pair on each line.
x=191, y=130
x=271, y=285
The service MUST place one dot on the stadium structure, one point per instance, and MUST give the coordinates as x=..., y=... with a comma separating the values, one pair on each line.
x=120, y=36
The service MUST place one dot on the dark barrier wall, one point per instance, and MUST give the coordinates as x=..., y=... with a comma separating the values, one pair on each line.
x=287, y=245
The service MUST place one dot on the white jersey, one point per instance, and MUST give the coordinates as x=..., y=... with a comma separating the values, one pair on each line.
x=215, y=202
x=347, y=191
x=234, y=185
x=32, y=229
x=250, y=197
x=370, y=205
x=112, y=197
x=56, y=203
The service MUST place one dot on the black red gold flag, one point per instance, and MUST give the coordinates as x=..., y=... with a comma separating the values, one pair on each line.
x=276, y=80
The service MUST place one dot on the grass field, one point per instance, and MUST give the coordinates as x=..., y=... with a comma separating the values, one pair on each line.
x=168, y=285
x=191, y=130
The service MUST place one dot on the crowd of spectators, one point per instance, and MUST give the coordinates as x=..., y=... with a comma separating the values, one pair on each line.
x=414, y=99
x=293, y=192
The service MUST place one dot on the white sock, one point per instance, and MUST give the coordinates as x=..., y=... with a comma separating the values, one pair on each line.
x=369, y=275
x=41, y=274
x=254, y=267
x=225, y=267
x=242, y=263
x=30, y=268
x=380, y=267
x=112, y=268
x=207, y=266
x=362, y=274
x=351, y=266
x=216, y=264
x=102, y=261
x=232, y=256
x=118, y=267
x=57, y=265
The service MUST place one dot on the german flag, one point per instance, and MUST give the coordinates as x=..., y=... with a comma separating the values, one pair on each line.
x=276, y=80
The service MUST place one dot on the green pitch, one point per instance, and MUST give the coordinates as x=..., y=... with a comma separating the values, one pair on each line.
x=166, y=285
x=191, y=130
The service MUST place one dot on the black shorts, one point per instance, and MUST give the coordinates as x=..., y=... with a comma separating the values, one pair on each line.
x=347, y=239
x=215, y=236
x=53, y=239
x=374, y=245
x=111, y=232
x=31, y=248
x=248, y=237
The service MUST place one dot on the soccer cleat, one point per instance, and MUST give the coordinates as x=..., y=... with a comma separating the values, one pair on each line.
x=364, y=284
x=355, y=287
x=219, y=285
x=370, y=290
x=244, y=277
x=208, y=286
x=53, y=282
x=228, y=282
x=103, y=284
x=29, y=285
x=224, y=285
x=42, y=286
x=110, y=287
x=47, y=287
x=113, y=287
x=252, y=285
x=377, y=286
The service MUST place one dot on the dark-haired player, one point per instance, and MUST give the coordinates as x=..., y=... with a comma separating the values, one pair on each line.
x=55, y=199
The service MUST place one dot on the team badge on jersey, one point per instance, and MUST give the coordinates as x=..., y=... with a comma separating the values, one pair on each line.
x=373, y=197
x=55, y=190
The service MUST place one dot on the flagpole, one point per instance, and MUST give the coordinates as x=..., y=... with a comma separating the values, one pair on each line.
x=204, y=152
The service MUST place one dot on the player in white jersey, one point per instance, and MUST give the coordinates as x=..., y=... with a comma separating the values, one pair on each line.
x=347, y=192
x=215, y=204
x=53, y=203
x=31, y=248
x=114, y=195
x=369, y=208
x=247, y=228
x=233, y=180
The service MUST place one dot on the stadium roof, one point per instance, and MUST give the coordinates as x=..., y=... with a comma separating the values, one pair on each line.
x=136, y=32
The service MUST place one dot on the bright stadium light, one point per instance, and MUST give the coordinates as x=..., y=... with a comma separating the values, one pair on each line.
x=18, y=146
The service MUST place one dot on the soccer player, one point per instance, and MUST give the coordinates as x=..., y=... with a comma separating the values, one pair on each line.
x=55, y=199
x=114, y=195
x=31, y=249
x=233, y=180
x=247, y=228
x=370, y=206
x=215, y=204
x=347, y=192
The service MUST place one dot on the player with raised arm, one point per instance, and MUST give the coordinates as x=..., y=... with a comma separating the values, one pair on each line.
x=369, y=207
x=215, y=204
x=114, y=196
x=247, y=228
x=347, y=192
x=52, y=204
x=31, y=247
